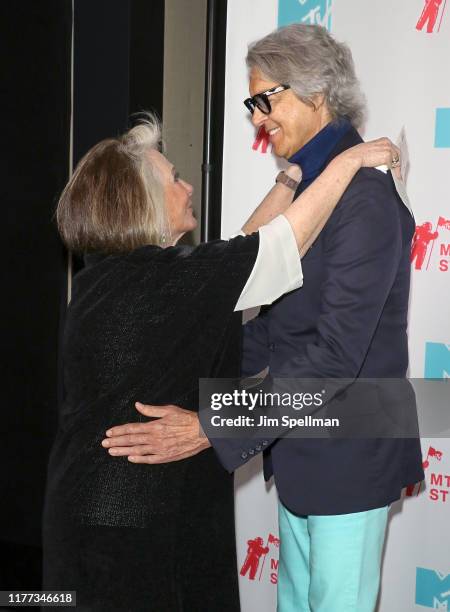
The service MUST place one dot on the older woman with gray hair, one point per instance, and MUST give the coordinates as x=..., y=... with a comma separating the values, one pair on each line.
x=146, y=320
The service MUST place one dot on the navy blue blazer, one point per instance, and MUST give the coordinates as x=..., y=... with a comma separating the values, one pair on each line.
x=349, y=320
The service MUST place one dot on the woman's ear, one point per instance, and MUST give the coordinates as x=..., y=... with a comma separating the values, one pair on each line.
x=318, y=101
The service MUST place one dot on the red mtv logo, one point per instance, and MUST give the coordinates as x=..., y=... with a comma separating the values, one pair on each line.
x=422, y=238
x=261, y=140
x=430, y=14
x=255, y=551
x=431, y=454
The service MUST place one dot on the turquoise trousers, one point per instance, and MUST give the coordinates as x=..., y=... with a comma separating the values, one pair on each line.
x=330, y=563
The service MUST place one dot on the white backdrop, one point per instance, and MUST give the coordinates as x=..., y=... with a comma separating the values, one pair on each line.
x=404, y=70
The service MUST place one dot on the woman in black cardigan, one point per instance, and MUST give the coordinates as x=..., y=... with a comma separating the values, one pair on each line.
x=146, y=320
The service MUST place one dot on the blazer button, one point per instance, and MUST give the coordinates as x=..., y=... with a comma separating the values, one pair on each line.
x=244, y=455
x=271, y=347
x=258, y=447
x=251, y=451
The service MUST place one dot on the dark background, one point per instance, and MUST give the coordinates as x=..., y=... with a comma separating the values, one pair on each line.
x=71, y=75
x=118, y=70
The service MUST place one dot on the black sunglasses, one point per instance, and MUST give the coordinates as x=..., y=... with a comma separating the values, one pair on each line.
x=261, y=100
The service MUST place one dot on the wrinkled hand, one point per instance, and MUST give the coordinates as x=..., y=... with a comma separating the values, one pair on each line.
x=175, y=435
x=376, y=153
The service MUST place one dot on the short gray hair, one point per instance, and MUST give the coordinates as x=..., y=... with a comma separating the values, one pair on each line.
x=114, y=201
x=312, y=62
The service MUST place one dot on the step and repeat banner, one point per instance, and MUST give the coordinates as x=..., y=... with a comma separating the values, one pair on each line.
x=402, y=55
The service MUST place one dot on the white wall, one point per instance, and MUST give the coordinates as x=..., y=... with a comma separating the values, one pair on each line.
x=184, y=91
x=405, y=75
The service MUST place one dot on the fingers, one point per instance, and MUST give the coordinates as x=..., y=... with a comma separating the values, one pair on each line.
x=172, y=416
x=154, y=433
x=163, y=451
x=128, y=428
x=125, y=445
x=151, y=435
x=142, y=449
x=392, y=153
x=156, y=411
x=159, y=447
x=127, y=440
x=398, y=173
x=155, y=459
x=164, y=448
x=395, y=155
x=375, y=153
x=149, y=411
x=389, y=152
x=154, y=428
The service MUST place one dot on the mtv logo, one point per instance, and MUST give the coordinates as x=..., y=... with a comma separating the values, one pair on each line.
x=437, y=360
x=432, y=589
x=312, y=12
x=442, y=128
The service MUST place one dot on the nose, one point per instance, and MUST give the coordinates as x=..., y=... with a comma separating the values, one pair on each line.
x=188, y=187
x=258, y=118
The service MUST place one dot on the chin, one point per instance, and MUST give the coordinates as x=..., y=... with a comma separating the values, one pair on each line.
x=280, y=151
x=192, y=224
x=192, y=218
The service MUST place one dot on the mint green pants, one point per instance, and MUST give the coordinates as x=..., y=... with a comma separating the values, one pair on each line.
x=330, y=563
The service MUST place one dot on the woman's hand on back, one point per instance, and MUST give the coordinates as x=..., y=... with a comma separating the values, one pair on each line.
x=379, y=152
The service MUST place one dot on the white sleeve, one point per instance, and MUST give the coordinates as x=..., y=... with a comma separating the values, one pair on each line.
x=277, y=268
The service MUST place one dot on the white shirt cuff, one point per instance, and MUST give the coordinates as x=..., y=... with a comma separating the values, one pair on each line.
x=277, y=268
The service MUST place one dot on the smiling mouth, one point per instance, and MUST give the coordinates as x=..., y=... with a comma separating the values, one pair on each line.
x=273, y=131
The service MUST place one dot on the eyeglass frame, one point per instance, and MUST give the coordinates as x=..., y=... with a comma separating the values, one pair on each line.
x=252, y=103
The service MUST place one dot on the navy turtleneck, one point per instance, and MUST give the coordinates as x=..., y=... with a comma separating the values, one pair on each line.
x=312, y=156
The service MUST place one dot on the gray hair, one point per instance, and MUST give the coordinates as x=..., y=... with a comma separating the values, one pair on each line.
x=308, y=59
x=114, y=201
